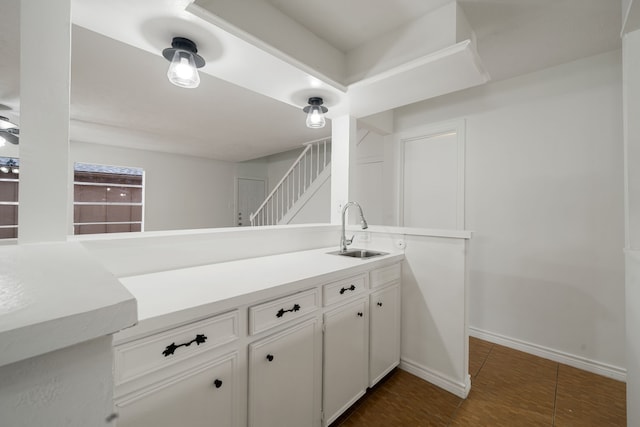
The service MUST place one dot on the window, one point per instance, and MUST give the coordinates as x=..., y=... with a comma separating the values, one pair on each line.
x=9, y=180
x=107, y=199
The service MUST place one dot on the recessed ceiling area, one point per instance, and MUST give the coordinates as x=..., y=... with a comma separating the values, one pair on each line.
x=117, y=85
x=249, y=102
x=346, y=25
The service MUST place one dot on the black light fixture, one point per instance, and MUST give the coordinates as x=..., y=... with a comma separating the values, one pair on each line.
x=9, y=131
x=185, y=61
x=315, y=113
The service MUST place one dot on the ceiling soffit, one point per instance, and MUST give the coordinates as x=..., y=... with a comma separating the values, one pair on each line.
x=379, y=71
x=312, y=34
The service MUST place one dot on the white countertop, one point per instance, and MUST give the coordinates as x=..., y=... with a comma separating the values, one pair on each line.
x=54, y=295
x=179, y=296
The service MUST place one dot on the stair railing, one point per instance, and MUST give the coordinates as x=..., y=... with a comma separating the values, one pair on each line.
x=309, y=164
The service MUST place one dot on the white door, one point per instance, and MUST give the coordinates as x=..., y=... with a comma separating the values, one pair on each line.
x=345, y=358
x=284, y=384
x=433, y=182
x=251, y=194
x=201, y=397
x=384, y=344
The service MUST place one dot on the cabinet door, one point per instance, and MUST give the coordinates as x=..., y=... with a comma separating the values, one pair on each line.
x=345, y=357
x=284, y=378
x=202, y=397
x=384, y=347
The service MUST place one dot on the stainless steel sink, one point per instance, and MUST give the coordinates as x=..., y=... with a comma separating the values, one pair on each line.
x=358, y=253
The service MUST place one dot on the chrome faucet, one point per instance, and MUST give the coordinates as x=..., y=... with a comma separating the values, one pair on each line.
x=363, y=222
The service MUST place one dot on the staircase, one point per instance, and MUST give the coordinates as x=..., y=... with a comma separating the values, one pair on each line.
x=307, y=174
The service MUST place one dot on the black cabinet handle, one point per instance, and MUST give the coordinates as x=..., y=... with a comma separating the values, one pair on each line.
x=217, y=383
x=171, y=348
x=350, y=288
x=282, y=311
x=379, y=304
x=359, y=314
x=112, y=417
x=270, y=357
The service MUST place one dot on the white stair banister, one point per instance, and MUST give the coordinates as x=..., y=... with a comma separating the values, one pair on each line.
x=304, y=171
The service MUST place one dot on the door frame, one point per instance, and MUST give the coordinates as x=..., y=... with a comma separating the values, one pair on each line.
x=429, y=131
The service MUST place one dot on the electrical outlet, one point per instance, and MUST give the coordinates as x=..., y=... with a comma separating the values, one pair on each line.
x=364, y=237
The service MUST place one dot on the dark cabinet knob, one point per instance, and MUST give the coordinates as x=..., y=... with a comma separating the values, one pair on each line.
x=217, y=383
x=360, y=314
x=270, y=357
x=379, y=304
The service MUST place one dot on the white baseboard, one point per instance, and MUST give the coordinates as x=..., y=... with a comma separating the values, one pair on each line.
x=437, y=379
x=585, y=364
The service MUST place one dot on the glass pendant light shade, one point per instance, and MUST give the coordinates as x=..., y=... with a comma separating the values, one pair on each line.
x=182, y=71
x=315, y=118
x=315, y=113
x=185, y=61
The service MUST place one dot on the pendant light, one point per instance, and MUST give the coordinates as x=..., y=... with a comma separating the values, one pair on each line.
x=10, y=166
x=185, y=61
x=315, y=113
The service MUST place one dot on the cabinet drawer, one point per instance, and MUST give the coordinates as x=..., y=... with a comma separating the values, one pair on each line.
x=266, y=316
x=382, y=276
x=344, y=289
x=158, y=351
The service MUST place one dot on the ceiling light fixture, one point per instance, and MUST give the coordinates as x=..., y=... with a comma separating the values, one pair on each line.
x=10, y=166
x=185, y=61
x=315, y=113
x=9, y=131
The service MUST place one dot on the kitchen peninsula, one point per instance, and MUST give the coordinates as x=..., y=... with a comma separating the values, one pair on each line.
x=170, y=274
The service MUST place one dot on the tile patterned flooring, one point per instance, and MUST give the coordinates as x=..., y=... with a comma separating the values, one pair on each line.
x=509, y=388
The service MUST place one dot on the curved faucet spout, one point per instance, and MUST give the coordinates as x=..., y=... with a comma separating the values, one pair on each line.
x=363, y=223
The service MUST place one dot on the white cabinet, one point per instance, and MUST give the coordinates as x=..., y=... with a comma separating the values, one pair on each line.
x=284, y=378
x=384, y=335
x=266, y=362
x=204, y=396
x=346, y=350
x=185, y=375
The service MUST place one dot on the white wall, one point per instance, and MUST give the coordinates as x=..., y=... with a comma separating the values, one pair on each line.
x=316, y=209
x=133, y=254
x=631, y=53
x=369, y=177
x=278, y=165
x=70, y=387
x=544, y=198
x=434, y=324
x=181, y=192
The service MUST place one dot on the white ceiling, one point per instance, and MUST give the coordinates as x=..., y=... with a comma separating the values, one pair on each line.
x=348, y=24
x=119, y=82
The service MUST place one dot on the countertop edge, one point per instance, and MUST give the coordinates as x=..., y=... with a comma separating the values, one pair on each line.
x=207, y=308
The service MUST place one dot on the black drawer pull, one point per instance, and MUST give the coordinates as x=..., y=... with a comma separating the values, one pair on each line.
x=359, y=314
x=379, y=304
x=350, y=288
x=282, y=311
x=199, y=339
x=270, y=357
x=217, y=383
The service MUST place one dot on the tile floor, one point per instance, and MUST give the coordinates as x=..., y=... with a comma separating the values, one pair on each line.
x=509, y=388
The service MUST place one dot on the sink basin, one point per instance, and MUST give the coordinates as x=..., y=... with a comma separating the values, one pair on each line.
x=358, y=253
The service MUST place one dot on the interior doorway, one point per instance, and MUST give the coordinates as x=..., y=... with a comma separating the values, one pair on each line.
x=251, y=193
